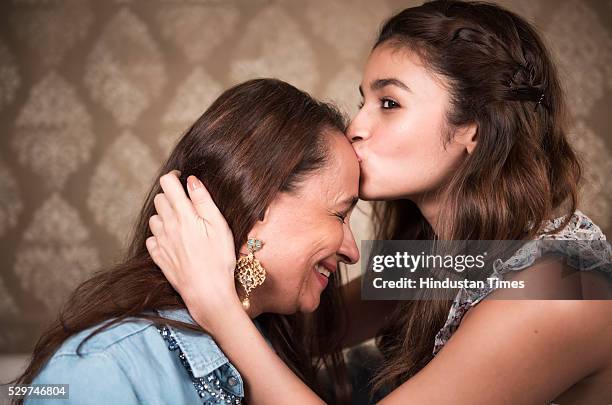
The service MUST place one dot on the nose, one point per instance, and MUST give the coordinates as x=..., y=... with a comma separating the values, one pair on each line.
x=357, y=130
x=348, y=252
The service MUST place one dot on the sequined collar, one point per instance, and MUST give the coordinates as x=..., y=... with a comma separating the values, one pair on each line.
x=200, y=350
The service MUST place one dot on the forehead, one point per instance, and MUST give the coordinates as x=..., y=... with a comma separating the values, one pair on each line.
x=400, y=62
x=339, y=178
x=393, y=58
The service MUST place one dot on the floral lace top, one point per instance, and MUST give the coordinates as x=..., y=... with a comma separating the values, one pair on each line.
x=580, y=228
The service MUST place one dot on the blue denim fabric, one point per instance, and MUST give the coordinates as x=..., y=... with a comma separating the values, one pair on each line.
x=137, y=363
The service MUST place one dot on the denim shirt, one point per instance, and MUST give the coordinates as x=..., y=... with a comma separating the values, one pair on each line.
x=137, y=362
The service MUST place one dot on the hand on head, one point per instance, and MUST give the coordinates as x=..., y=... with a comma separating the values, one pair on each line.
x=193, y=246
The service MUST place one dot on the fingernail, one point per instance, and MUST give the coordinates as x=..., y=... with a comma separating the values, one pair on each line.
x=177, y=172
x=194, y=183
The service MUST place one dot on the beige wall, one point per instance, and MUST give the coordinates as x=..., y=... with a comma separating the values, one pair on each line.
x=94, y=93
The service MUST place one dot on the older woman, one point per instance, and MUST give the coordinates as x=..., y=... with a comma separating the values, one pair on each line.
x=285, y=177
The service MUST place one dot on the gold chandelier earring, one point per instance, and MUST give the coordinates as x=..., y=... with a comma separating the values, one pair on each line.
x=249, y=272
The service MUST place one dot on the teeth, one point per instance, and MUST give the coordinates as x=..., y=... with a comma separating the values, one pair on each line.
x=323, y=271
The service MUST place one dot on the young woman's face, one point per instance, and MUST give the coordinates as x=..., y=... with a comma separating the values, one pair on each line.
x=306, y=233
x=399, y=132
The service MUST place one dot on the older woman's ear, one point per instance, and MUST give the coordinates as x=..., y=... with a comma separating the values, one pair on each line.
x=264, y=214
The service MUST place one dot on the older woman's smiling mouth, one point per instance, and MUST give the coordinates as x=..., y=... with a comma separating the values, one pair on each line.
x=323, y=271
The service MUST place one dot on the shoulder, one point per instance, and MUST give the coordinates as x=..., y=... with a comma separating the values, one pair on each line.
x=95, y=379
x=550, y=262
x=137, y=359
x=117, y=350
x=95, y=374
x=121, y=333
x=579, y=227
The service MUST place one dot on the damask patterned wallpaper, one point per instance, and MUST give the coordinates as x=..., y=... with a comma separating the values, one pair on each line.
x=93, y=94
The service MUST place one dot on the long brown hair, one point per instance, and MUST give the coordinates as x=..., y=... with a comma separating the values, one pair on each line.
x=522, y=171
x=257, y=139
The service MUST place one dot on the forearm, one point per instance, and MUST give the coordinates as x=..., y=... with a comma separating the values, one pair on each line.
x=268, y=380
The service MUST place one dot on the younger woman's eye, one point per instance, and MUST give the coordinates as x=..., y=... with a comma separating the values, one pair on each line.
x=360, y=105
x=388, y=104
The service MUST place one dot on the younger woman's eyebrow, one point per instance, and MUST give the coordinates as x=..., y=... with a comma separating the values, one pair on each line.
x=382, y=83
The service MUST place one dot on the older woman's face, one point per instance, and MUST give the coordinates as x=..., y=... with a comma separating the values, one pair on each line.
x=306, y=233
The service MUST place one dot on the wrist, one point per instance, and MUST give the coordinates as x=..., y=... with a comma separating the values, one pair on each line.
x=214, y=315
x=232, y=323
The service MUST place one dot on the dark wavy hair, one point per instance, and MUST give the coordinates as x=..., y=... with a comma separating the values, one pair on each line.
x=522, y=172
x=257, y=139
